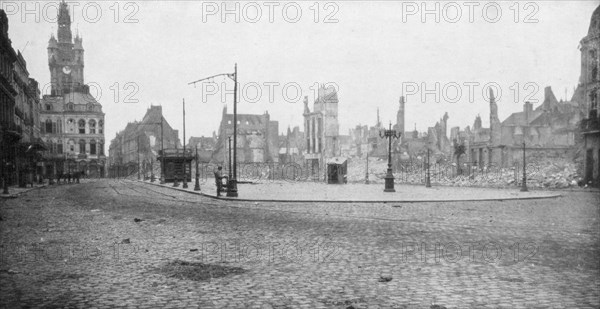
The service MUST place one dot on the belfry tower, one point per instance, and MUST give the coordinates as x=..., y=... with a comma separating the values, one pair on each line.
x=65, y=56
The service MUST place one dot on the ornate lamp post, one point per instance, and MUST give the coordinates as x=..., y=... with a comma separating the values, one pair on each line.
x=524, y=182
x=176, y=181
x=152, y=178
x=428, y=176
x=162, y=152
x=138, y=156
x=389, y=177
x=185, y=185
x=229, y=161
x=197, y=185
x=367, y=169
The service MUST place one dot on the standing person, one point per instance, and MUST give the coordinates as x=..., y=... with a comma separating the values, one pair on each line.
x=219, y=180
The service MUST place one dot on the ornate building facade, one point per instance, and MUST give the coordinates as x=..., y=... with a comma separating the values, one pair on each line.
x=588, y=88
x=71, y=120
x=19, y=108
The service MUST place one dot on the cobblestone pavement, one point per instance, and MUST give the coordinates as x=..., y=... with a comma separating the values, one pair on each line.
x=80, y=246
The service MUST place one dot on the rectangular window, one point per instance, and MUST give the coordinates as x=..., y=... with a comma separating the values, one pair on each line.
x=59, y=148
x=82, y=130
x=92, y=130
x=93, y=149
x=48, y=127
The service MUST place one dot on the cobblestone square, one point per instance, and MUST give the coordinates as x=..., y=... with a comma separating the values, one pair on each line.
x=118, y=243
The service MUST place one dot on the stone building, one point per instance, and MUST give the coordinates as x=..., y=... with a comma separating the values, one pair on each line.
x=71, y=120
x=205, y=145
x=549, y=131
x=257, y=139
x=587, y=91
x=141, y=139
x=321, y=130
x=19, y=108
x=292, y=146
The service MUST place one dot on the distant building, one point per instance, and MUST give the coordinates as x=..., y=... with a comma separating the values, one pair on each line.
x=321, y=129
x=257, y=139
x=292, y=146
x=587, y=90
x=141, y=139
x=549, y=130
x=205, y=145
x=71, y=120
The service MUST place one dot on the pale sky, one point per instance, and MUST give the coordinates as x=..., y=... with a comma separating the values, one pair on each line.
x=373, y=49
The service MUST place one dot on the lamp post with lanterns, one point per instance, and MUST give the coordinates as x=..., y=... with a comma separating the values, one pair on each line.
x=389, y=177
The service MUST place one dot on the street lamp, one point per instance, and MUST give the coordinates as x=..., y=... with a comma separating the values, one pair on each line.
x=389, y=177
x=232, y=184
x=367, y=169
x=197, y=185
x=185, y=185
x=138, y=155
x=229, y=159
x=428, y=176
x=524, y=182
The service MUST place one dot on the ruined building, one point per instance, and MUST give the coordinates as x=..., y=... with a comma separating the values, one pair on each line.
x=141, y=141
x=321, y=130
x=292, y=146
x=587, y=91
x=257, y=139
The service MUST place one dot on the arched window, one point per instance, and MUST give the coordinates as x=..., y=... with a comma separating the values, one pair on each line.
x=48, y=126
x=92, y=124
x=100, y=127
x=92, y=147
x=71, y=126
x=82, y=146
x=71, y=145
x=59, y=127
x=81, y=126
x=101, y=147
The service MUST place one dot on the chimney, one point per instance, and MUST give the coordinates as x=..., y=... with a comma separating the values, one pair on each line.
x=528, y=110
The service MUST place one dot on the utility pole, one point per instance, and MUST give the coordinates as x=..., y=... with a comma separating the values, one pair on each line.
x=138, y=155
x=185, y=185
x=524, y=182
x=232, y=192
x=232, y=184
x=162, y=151
x=229, y=161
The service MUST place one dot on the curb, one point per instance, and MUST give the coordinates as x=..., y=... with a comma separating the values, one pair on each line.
x=355, y=201
x=15, y=195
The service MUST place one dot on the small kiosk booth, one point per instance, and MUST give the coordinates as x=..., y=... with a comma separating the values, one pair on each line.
x=176, y=164
x=337, y=170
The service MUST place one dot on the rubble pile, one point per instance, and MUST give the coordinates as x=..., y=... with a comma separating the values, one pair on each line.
x=548, y=173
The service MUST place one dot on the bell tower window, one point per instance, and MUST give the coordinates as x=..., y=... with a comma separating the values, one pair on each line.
x=81, y=126
x=92, y=125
